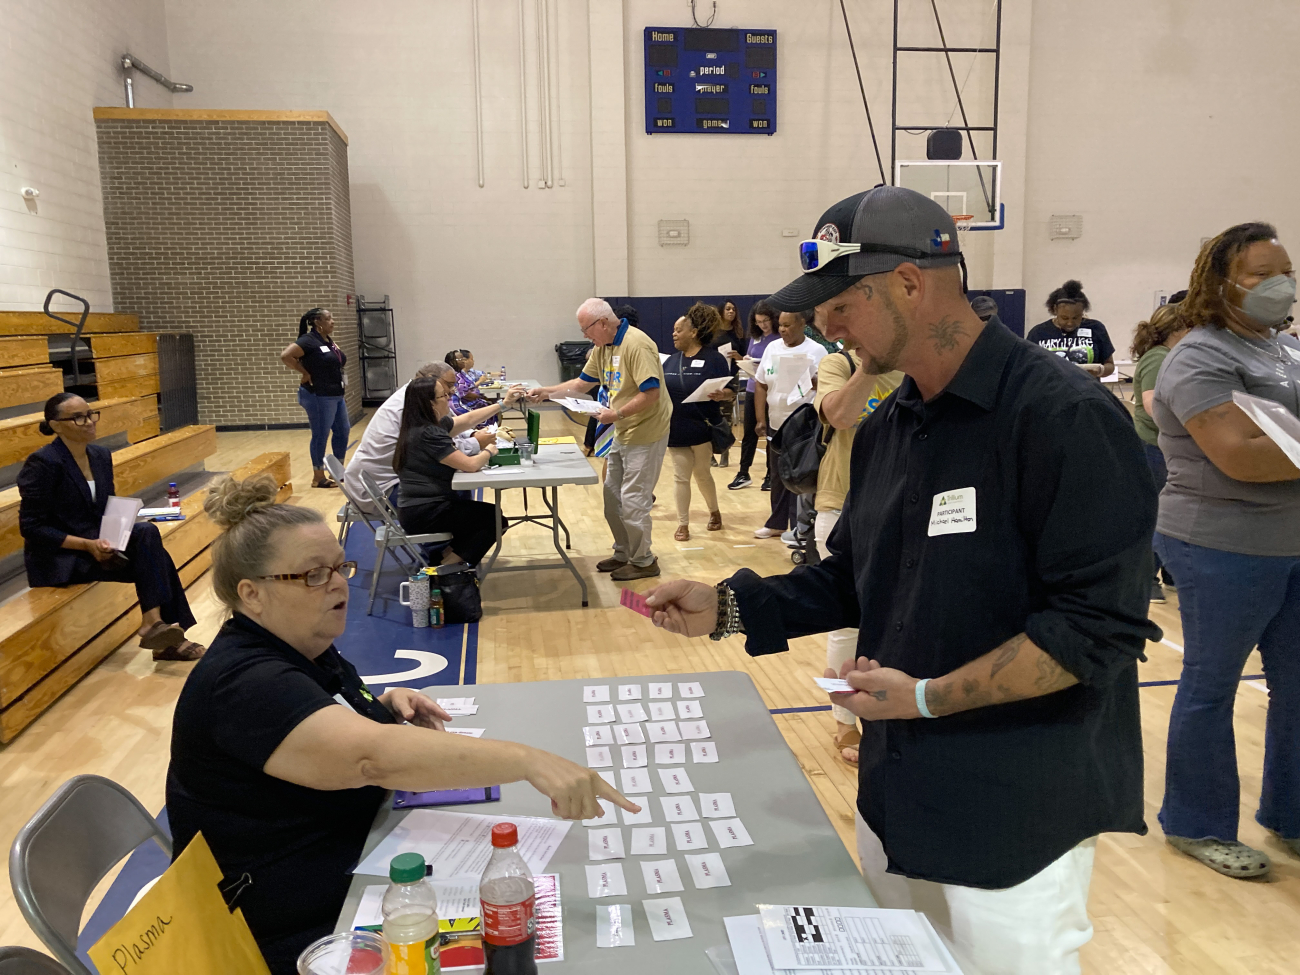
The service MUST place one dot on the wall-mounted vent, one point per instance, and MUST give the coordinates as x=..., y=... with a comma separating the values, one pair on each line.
x=674, y=233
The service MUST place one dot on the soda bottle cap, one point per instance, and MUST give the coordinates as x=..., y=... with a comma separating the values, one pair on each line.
x=505, y=834
x=406, y=868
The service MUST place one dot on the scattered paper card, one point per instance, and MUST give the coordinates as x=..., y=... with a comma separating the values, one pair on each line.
x=650, y=841
x=833, y=685
x=690, y=836
x=730, y=832
x=689, y=709
x=605, y=844
x=606, y=880
x=614, y=926
x=661, y=711
x=629, y=734
x=467, y=732
x=608, y=816
x=635, y=819
x=608, y=776
x=661, y=876
x=634, y=756
x=629, y=692
x=661, y=690
x=679, y=809
x=704, y=751
x=691, y=689
x=675, y=780
x=636, y=780
x=632, y=713
x=599, y=757
x=594, y=694
x=691, y=730
x=706, y=870
x=716, y=805
x=600, y=714
x=670, y=754
x=848, y=937
x=598, y=735
x=635, y=602
x=667, y=919
x=663, y=731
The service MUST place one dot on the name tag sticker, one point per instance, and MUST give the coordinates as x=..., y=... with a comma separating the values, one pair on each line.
x=324, y=348
x=1084, y=333
x=697, y=363
x=953, y=512
x=615, y=361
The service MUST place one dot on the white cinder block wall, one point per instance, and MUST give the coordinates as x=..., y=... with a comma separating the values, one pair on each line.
x=58, y=59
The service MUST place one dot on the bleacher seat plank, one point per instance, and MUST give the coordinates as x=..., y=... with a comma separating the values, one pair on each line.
x=123, y=343
x=29, y=384
x=38, y=323
x=139, y=386
x=121, y=367
x=23, y=351
x=144, y=430
x=19, y=435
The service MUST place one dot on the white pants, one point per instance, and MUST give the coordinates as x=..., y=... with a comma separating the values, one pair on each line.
x=630, y=476
x=1034, y=928
x=840, y=644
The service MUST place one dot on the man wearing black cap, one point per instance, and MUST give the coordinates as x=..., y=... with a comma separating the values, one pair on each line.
x=994, y=553
x=987, y=310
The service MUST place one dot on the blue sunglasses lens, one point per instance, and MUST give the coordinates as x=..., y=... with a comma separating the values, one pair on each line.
x=808, y=255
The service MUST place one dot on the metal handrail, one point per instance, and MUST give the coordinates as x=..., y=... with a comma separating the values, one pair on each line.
x=78, y=325
x=130, y=61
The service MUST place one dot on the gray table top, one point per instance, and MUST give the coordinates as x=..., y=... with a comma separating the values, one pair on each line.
x=559, y=463
x=797, y=858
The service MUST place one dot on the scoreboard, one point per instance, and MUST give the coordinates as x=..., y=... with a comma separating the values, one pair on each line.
x=704, y=79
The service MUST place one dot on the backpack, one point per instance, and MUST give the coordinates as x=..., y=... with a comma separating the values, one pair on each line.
x=801, y=442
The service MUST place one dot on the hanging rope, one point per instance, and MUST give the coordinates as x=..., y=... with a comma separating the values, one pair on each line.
x=712, y=17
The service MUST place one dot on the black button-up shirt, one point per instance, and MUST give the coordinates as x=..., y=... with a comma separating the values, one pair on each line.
x=1065, y=509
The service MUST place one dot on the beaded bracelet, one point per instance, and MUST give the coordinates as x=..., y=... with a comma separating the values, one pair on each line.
x=728, y=614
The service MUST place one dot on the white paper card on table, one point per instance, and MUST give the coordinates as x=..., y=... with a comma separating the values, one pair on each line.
x=707, y=870
x=636, y=780
x=667, y=919
x=631, y=713
x=614, y=926
x=675, y=780
x=663, y=731
x=635, y=819
x=650, y=841
x=689, y=709
x=691, y=689
x=598, y=735
x=606, y=880
x=608, y=776
x=850, y=937
x=730, y=832
x=599, y=757
x=608, y=815
x=670, y=754
x=661, y=876
x=635, y=756
x=661, y=711
x=629, y=692
x=690, y=730
x=467, y=732
x=704, y=751
x=716, y=805
x=119, y=517
x=459, y=844
x=690, y=836
x=600, y=713
x=605, y=844
x=679, y=809
x=629, y=734
x=661, y=690
x=594, y=694
x=701, y=394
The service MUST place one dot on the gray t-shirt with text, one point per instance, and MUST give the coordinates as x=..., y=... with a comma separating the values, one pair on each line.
x=1200, y=504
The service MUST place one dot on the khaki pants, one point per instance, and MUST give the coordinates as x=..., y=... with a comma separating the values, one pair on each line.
x=630, y=476
x=688, y=461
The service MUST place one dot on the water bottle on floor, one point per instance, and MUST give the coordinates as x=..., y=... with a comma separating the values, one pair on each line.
x=507, y=901
x=410, y=918
x=436, y=614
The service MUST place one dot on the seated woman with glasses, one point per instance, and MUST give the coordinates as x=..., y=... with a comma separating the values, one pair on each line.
x=65, y=487
x=466, y=395
x=280, y=755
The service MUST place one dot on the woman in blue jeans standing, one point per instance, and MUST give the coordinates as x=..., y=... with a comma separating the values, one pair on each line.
x=321, y=363
x=1229, y=531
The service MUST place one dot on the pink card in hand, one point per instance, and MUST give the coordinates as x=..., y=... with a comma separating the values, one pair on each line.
x=636, y=602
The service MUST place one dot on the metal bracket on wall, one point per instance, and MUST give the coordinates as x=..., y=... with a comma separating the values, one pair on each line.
x=130, y=61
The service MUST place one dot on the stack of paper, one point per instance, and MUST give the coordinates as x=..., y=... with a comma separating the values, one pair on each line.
x=579, y=405
x=119, y=517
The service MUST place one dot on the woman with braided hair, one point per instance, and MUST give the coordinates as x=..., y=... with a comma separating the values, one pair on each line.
x=1229, y=532
x=320, y=364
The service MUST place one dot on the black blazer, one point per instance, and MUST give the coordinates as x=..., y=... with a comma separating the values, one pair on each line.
x=56, y=503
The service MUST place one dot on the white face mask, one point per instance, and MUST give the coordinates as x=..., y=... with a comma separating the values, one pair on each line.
x=1270, y=301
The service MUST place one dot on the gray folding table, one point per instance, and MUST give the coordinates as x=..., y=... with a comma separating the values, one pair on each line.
x=797, y=858
x=553, y=465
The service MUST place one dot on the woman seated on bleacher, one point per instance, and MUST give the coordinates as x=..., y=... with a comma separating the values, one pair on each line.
x=280, y=755
x=65, y=487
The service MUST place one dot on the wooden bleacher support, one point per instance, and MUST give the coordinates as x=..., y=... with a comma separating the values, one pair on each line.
x=20, y=435
x=51, y=638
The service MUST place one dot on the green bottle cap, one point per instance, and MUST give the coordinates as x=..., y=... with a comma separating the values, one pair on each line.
x=406, y=868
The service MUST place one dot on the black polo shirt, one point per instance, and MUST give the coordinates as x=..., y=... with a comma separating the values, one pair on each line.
x=297, y=844
x=690, y=424
x=324, y=362
x=1061, y=550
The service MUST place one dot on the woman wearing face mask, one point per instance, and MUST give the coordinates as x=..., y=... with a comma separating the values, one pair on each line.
x=1229, y=532
x=1083, y=341
x=320, y=363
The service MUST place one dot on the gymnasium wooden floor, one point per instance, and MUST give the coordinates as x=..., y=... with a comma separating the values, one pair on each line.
x=1155, y=911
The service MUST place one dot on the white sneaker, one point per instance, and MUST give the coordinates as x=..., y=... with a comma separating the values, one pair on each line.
x=766, y=532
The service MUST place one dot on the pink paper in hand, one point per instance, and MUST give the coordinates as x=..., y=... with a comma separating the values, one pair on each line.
x=636, y=602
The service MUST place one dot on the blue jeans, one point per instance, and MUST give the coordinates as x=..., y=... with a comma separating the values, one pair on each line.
x=1229, y=604
x=1159, y=474
x=325, y=413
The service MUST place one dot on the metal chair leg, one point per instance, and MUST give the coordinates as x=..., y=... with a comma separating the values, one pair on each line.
x=374, y=577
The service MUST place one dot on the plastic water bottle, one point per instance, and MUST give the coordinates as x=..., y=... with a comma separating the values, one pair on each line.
x=503, y=373
x=410, y=918
x=173, y=495
x=436, y=618
x=507, y=900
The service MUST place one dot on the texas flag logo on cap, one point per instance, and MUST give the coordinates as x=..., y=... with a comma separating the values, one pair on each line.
x=940, y=241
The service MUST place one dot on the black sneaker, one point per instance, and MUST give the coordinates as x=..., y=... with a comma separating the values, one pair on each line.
x=741, y=480
x=767, y=483
x=1157, y=592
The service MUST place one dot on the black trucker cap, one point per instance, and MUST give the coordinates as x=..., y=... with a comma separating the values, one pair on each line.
x=894, y=226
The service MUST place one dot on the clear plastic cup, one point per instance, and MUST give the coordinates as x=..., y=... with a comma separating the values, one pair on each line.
x=350, y=953
x=526, y=453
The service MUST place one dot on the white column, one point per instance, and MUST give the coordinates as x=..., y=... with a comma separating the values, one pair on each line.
x=608, y=147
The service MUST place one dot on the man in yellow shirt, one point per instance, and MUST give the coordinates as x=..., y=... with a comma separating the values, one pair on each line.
x=626, y=362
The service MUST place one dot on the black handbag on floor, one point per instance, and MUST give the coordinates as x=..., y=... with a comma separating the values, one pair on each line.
x=461, y=600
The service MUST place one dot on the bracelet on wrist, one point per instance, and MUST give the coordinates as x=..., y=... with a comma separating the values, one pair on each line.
x=728, y=623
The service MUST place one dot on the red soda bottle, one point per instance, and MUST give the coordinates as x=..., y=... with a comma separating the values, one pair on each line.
x=507, y=898
x=173, y=495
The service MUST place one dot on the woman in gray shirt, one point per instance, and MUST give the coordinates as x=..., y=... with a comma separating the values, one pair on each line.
x=1229, y=531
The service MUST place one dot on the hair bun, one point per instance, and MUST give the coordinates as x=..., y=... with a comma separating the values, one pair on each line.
x=1072, y=288
x=45, y=428
x=231, y=501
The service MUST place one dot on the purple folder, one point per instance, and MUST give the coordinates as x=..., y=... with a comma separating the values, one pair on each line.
x=446, y=797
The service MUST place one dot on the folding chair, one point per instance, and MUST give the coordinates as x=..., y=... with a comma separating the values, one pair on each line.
x=27, y=961
x=351, y=510
x=390, y=538
x=66, y=849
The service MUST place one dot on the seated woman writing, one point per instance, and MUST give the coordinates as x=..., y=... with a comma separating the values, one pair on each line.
x=281, y=757
x=65, y=487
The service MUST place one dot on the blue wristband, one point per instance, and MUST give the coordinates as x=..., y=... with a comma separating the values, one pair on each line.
x=920, y=698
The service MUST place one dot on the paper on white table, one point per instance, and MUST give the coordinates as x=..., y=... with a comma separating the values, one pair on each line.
x=670, y=754
x=667, y=919
x=631, y=713
x=1277, y=422
x=629, y=692
x=659, y=711
x=689, y=709
x=707, y=870
x=663, y=731
x=579, y=405
x=704, y=751
x=661, y=690
x=634, y=819
x=689, y=836
x=598, y=735
x=595, y=693
x=691, y=689
x=716, y=805
x=600, y=713
x=650, y=841
x=691, y=730
x=599, y=757
x=608, y=815
x=605, y=844
x=608, y=776
x=730, y=832
x=458, y=844
x=675, y=780
x=614, y=926
x=848, y=937
x=661, y=876
x=634, y=756
x=701, y=394
x=119, y=517
x=629, y=734
x=679, y=809
x=604, y=880
x=635, y=780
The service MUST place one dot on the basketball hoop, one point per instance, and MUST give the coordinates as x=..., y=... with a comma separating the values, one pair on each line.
x=963, y=222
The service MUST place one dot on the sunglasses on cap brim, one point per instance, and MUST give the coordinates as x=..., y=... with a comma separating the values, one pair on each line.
x=816, y=254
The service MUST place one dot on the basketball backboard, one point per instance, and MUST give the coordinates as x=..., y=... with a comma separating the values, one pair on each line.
x=958, y=185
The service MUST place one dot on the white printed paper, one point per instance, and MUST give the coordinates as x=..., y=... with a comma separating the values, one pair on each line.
x=664, y=357
x=730, y=832
x=578, y=405
x=691, y=689
x=454, y=901
x=600, y=713
x=661, y=690
x=670, y=754
x=614, y=926
x=636, y=780
x=689, y=709
x=594, y=694
x=748, y=366
x=661, y=876
x=598, y=735
x=952, y=512
x=631, y=713
x=800, y=937
x=704, y=751
x=660, y=711
x=635, y=819
x=706, y=870
x=724, y=350
x=467, y=732
x=635, y=756
x=691, y=730
x=629, y=692
x=608, y=776
x=629, y=734
x=608, y=815
x=650, y=841
x=663, y=731
x=708, y=386
x=675, y=780
x=605, y=880
x=599, y=757
x=605, y=844
x=716, y=805
x=679, y=809
x=834, y=685
x=119, y=517
x=690, y=836
x=458, y=844
x=667, y=919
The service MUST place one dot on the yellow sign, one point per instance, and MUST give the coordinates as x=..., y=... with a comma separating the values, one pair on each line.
x=542, y=441
x=181, y=925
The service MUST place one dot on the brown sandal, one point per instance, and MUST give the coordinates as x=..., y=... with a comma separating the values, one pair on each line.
x=715, y=521
x=683, y=533
x=185, y=651
x=850, y=739
x=327, y=483
x=162, y=635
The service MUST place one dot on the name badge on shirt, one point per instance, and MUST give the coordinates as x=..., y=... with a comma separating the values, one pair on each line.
x=342, y=700
x=1084, y=333
x=953, y=512
x=697, y=363
x=324, y=348
x=615, y=361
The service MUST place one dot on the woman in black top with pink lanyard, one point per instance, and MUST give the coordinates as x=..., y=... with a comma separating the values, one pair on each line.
x=320, y=363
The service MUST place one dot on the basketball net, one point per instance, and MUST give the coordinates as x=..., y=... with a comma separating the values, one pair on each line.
x=963, y=222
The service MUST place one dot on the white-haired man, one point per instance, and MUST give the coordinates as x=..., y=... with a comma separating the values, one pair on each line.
x=626, y=362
